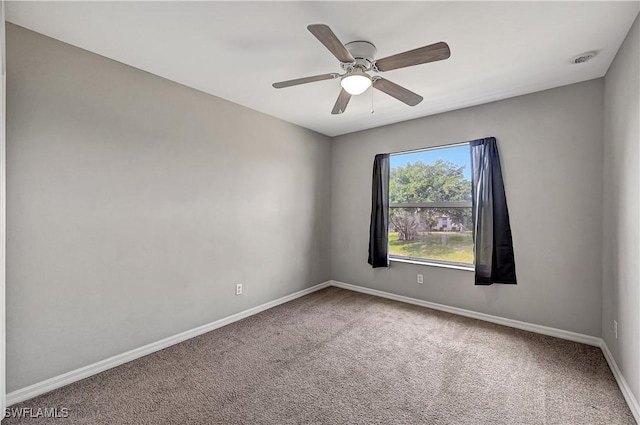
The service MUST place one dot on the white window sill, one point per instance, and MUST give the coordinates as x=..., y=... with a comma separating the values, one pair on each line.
x=427, y=263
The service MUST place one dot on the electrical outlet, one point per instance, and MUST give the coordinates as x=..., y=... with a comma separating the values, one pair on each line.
x=420, y=280
x=239, y=289
x=615, y=328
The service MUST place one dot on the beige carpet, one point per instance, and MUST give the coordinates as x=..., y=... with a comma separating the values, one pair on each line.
x=340, y=357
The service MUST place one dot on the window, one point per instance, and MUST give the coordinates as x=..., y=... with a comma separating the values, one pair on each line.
x=430, y=206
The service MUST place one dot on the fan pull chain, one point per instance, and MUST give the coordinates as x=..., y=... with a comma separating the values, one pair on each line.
x=372, y=110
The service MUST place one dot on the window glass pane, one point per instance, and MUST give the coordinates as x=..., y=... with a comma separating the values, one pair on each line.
x=432, y=234
x=435, y=175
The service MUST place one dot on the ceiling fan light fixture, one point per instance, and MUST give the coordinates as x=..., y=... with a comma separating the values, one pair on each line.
x=358, y=57
x=356, y=82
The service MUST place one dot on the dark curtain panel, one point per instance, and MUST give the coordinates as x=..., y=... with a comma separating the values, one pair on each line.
x=492, y=233
x=379, y=228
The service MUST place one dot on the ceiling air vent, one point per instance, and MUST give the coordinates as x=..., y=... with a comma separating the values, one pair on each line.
x=584, y=57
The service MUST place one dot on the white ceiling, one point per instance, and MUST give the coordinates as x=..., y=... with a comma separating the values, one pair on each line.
x=235, y=50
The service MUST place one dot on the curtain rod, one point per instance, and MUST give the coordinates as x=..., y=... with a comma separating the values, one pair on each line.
x=429, y=148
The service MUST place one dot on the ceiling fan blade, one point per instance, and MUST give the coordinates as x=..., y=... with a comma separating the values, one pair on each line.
x=341, y=103
x=426, y=54
x=289, y=83
x=324, y=34
x=399, y=92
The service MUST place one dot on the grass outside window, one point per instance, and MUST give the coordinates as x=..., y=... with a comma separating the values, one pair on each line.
x=449, y=247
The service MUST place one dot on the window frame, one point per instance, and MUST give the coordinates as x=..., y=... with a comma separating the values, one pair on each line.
x=452, y=204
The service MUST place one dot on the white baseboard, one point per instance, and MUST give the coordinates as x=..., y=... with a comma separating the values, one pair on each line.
x=544, y=330
x=92, y=369
x=622, y=383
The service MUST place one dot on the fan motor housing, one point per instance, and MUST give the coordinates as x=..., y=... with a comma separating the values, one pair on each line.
x=363, y=52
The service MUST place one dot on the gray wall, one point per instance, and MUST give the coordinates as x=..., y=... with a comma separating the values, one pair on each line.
x=2, y=208
x=135, y=204
x=621, y=271
x=551, y=149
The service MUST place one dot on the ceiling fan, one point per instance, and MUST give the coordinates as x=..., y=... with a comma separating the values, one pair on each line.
x=357, y=58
